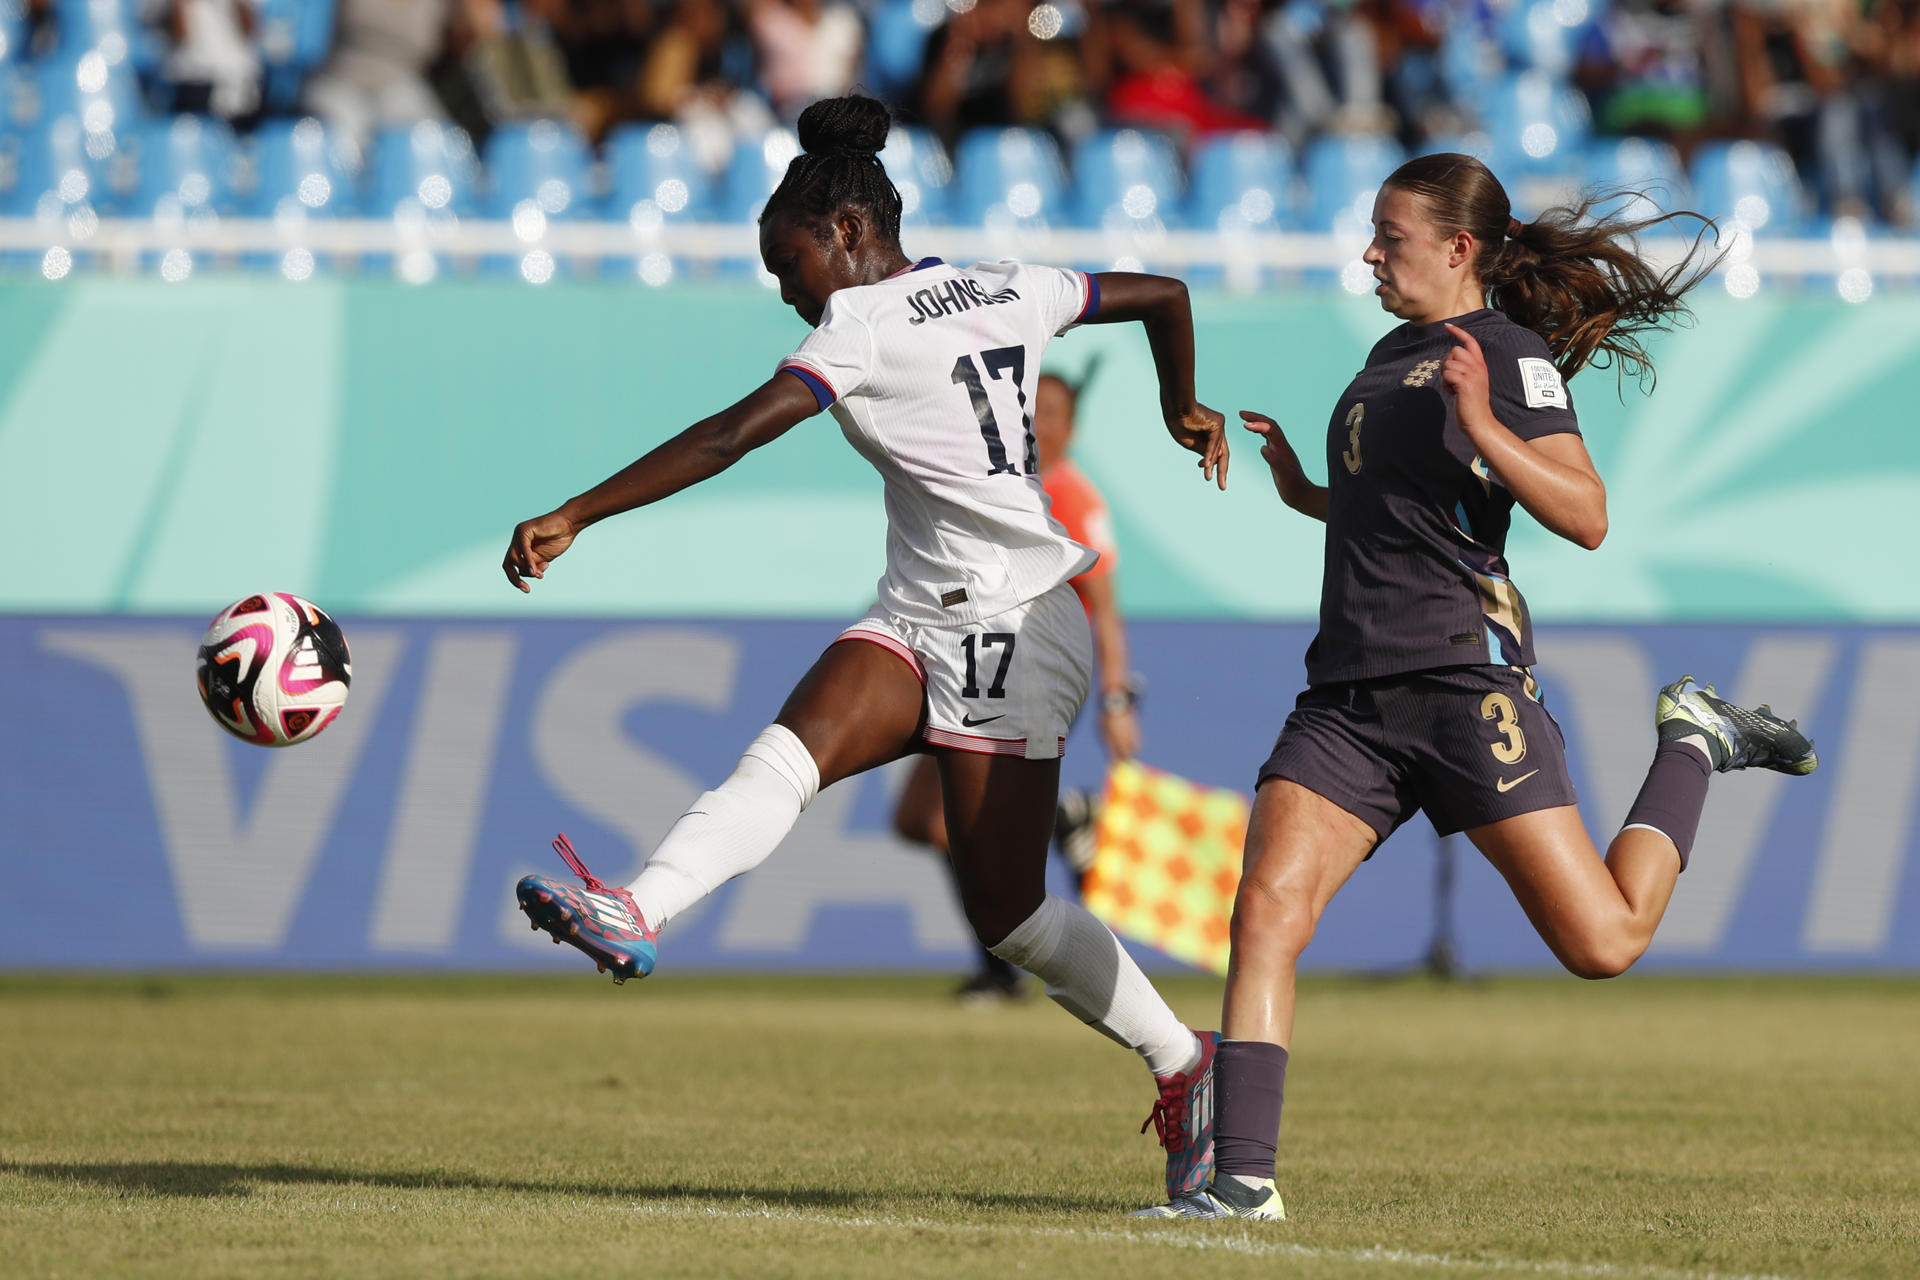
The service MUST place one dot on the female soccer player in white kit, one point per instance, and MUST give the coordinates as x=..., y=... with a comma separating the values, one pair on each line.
x=977, y=650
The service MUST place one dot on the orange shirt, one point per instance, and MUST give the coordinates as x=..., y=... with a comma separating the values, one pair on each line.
x=1082, y=512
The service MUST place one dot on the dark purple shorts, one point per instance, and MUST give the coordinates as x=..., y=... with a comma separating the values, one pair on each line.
x=1470, y=745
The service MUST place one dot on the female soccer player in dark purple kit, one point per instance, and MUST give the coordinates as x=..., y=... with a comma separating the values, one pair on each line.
x=1419, y=692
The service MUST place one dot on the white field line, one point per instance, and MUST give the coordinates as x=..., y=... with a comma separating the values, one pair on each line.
x=1243, y=1241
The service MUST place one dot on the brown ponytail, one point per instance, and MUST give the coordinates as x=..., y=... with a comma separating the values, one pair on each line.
x=1573, y=277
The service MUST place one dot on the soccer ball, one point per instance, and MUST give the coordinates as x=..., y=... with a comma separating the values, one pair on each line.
x=274, y=669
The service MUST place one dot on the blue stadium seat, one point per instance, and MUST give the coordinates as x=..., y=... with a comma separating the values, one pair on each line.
x=655, y=181
x=1644, y=165
x=1010, y=177
x=1542, y=34
x=1125, y=179
x=1754, y=182
x=103, y=95
x=299, y=173
x=300, y=170
x=544, y=161
x=897, y=32
x=294, y=36
x=758, y=166
x=1476, y=144
x=185, y=168
x=427, y=165
x=1470, y=63
x=52, y=174
x=1242, y=182
x=536, y=172
x=113, y=27
x=1342, y=176
x=1538, y=124
x=13, y=30
x=652, y=165
x=919, y=167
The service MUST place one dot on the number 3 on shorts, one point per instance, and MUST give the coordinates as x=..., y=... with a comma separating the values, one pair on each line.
x=1498, y=707
x=976, y=645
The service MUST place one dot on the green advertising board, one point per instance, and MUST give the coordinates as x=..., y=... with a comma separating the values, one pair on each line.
x=166, y=448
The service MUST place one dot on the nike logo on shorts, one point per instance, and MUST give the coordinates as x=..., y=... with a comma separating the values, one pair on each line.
x=1503, y=786
x=971, y=723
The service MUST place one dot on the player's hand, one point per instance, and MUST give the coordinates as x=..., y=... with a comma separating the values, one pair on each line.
x=536, y=544
x=1202, y=431
x=1465, y=374
x=1289, y=478
x=1121, y=729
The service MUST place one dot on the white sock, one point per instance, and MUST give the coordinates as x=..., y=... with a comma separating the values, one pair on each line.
x=1090, y=976
x=731, y=829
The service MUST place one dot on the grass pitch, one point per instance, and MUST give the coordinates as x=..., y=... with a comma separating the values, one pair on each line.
x=867, y=1127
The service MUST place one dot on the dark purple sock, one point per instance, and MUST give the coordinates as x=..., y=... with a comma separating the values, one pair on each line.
x=1249, y=1080
x=1671, y=798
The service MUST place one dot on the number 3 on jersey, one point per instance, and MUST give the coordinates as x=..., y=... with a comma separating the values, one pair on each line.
x=1355, y=417
x=998, y=361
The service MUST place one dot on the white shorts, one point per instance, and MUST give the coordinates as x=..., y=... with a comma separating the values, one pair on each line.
x=1008, y=685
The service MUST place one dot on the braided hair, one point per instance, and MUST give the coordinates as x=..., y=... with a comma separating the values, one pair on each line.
x=839, y=165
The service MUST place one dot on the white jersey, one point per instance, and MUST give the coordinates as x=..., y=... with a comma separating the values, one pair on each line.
x=931, y=374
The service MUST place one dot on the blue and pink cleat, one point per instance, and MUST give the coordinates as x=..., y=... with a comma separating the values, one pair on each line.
x=1183, y=1119
x=600, y=920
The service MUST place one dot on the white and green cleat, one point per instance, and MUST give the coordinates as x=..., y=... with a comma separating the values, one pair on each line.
x=1736, y=738
x=1223, y=1198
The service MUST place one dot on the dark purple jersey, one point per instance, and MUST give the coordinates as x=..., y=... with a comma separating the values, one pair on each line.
x=1416, y=570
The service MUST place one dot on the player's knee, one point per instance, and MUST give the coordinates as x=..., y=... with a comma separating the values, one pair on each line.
x=1599, y=958
x=1269, y=920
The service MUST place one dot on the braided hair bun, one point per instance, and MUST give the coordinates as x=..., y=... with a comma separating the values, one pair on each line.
x=839, y=167
x=851, y=126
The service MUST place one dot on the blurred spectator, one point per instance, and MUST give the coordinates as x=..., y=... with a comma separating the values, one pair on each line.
x=1407, y=51
x=1160, y=56
x=604, y=44
x=983, y=69
x=684, y=79
x=1329, y=65
x=1887, y=38
x=212, y=62
x=808, y=49
x=1245, y=77
x=382, y=51
x=1644, y=68
x=1804, y=65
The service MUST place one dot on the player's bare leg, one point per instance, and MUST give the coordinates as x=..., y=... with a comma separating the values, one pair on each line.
x=858, y=707
x=919, y=816
x=999, y=822
x=1599, y=916
x=1301, y=847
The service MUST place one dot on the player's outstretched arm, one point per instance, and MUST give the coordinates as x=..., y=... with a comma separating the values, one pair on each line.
x=1289, y=477
x=701, y=452
x=1160, y=304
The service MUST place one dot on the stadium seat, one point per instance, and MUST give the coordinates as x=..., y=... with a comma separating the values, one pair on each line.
x=655, y=180
x=51, y=173
x=1010, y=177
x=1476, y=144
x=919, y=167
x=1644, y=165
x=103, y=95
x=1538, y=125
x=1342, y=175
x=1126, y=179
x=897, y=32
x=13, y=30
x=757, y=167
x=298, y=174
x=1542, y=35
x=1242, y=182
x=114, y=27
x=1754, y=182
x=1470, y=62
x=536, y=171
x=185, y=168
x=424, y=165
x=294, y=36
